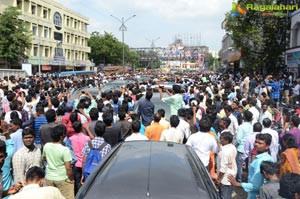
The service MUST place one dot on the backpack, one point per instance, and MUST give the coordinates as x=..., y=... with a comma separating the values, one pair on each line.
x=93, y=159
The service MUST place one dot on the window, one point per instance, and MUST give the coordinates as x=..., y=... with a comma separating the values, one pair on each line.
x=46, y=33
x=75, y=24
x=35, y=51
x=45, y=14
x=68, y=38
x=19, y=4
x=68, y=22
x=34, y=30
x=57, y=20
x=46, y=52
x=33, y=9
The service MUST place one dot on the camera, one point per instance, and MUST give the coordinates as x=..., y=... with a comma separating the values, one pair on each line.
x=82, y=92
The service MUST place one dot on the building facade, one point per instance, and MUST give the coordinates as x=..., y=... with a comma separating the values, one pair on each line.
x=60, y=36
x=293, y=52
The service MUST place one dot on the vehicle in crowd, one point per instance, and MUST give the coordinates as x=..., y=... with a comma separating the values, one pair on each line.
x=158, y=104
x=115, y=85
x=149, y=169
x=155, y=99
x=165, y=85
x=76, y=73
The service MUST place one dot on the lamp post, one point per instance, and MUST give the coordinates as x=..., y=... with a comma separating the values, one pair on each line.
x=39, y=55
x=123, y=28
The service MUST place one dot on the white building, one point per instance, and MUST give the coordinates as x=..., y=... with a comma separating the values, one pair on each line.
x=60, y=37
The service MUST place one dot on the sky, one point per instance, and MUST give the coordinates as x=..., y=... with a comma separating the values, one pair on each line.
x=156, y=20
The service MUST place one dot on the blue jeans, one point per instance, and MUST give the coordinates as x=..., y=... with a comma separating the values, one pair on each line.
x=239, y=162
x=225, y=191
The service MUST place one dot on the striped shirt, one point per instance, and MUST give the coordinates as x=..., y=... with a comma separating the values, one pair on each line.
x=23, y=160
x=38, y=122
x=96, y=142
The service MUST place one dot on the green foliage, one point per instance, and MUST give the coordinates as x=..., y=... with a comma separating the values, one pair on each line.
x=261, y=38
x=14, y=37
x=210, y=60
x=106, y=49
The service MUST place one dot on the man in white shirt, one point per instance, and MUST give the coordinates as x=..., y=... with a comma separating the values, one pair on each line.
x=275, y=138
x=183, y=126
x=234, y=123
x=265, y=113
x=172, y=134
x=136, y=135
x=253, y=110
x=202, y=142
x=295, y=95
x=226, y=164
x=34, y=188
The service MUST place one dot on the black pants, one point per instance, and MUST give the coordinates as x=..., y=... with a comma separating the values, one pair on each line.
x=77, y=172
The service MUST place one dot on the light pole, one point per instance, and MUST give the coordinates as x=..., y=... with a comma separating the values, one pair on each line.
x=39, y=54
x=123, y=28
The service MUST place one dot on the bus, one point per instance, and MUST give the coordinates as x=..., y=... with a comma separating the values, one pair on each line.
x=76, y=73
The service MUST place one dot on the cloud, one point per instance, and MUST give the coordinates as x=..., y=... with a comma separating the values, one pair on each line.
x=155, y=18
x=174, y=9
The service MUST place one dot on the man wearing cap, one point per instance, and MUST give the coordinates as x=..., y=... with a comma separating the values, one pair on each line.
x=174, y=100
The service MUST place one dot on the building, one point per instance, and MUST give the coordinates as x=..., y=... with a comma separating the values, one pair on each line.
x=149, y=56
x=293, y=52
x=230, y=57
x=178, y=56
x=60, y=36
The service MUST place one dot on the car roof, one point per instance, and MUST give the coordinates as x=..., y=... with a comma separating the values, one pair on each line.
x=143, y=169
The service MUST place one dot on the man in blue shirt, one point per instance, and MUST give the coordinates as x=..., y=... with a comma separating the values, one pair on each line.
x=255, y=177
x=146, y=109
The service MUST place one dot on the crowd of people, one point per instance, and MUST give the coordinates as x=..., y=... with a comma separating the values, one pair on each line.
x=244, y=129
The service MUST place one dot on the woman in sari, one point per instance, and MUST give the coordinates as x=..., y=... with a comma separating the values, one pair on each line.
x=289, y=157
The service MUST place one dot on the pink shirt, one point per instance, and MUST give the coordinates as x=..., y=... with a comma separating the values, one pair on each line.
x=78, y=141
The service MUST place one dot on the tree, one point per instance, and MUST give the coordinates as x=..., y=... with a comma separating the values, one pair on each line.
x=210, y=60
x=14, y=37
x=261, y=37
x=107, y=49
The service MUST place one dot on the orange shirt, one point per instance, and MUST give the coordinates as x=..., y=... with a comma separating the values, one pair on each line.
x=153, y=132
x=289, y=161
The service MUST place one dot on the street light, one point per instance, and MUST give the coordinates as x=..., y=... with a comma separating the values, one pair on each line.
x=123, y=28
x=39, y=55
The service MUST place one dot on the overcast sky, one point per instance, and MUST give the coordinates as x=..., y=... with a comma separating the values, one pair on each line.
x=155, y=18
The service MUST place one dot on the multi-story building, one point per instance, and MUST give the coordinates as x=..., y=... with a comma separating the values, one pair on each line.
x=230, y=57
x=60, y=36
x=293, y=52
